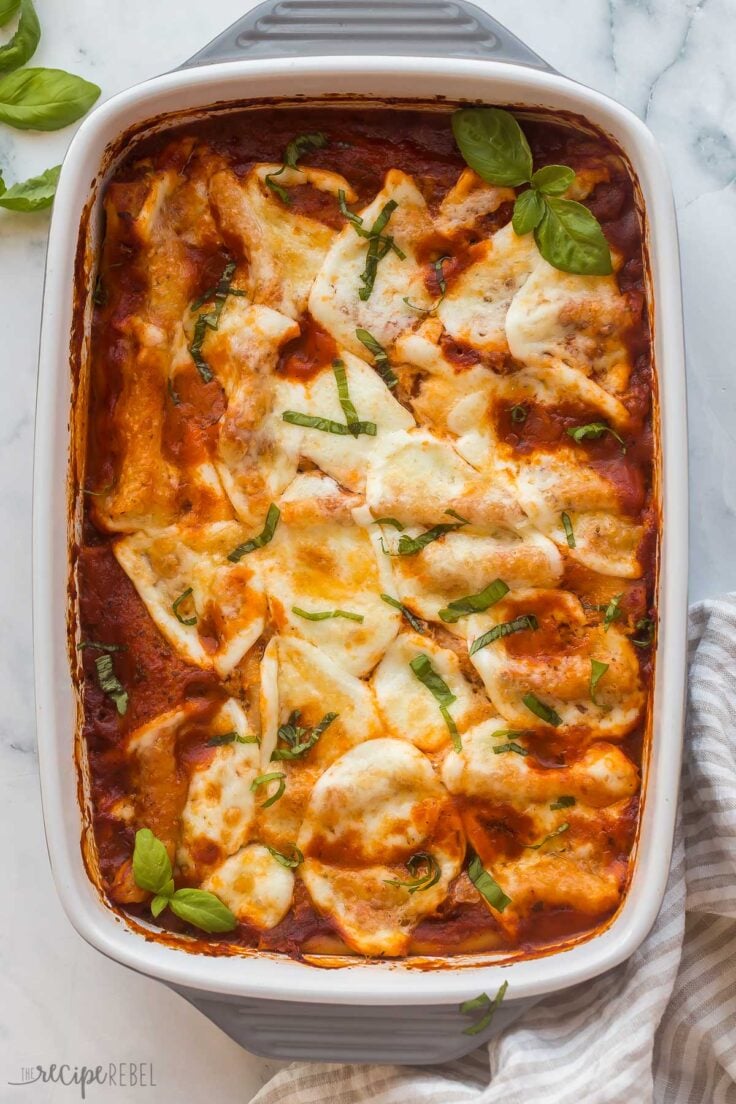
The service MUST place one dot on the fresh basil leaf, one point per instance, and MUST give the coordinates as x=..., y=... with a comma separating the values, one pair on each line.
x=380, y=357
x=264, y=537
x=263, y=780
x=493, y=144
x=175, y=607
x=325, y=615
x=553, y=180
x=158, y=904
x=569, y=531
x=563, y=802
x=413, y=620
x=44, y=99
x=151, y=863
x=539, y=709
x=110, y=684
x=557, y=832
x=474, y=603
x=526, y=621
x=645, y=626
x=202, y=909
x=419, y=882
x=597, y=671
x=8, y=8
x=296, y=858
x=483, y=1002
x=22, y=45
x=570, y=238
x=528, y=212
x=487, y=885
x=594, y=430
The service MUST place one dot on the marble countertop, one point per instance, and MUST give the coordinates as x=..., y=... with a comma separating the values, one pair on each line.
x=671, y=63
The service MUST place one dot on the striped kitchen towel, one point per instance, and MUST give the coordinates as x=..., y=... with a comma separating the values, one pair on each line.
x=661, y=1027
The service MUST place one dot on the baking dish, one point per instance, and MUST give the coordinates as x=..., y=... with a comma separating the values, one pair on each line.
x=376, y=1012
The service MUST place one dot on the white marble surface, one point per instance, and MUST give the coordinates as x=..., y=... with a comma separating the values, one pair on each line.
x=673, y=62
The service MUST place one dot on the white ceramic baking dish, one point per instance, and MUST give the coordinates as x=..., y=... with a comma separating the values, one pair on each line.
x=273, y=1005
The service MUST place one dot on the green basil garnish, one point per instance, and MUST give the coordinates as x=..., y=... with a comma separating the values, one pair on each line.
x=352, y=426
x=419, y=882
x=510, y=746
x=389, y=521
x=325, y=615
x=569, y=532
x=22, y=45
x=422, y=667
x=210, y=320
x=35, y=194
x=175, y=607
x=299, y=740
x=230, y=738
x=539, y=709
x=592, y=431
x=298, y=146
x=567, y=234
x=8, y=8
x=612, y=612
x=152, y=872
x=290, y=861
x=44, y=99
x=563, y=802
x=526, y=621
x=557, y=832
x=272, y=520
x=102, y=647
x=263, y=780
x=379, y=244
x=486, y=885
x=474, y=603
x=110, y=684
x=413, y=620
x=597, y=671
x=485, y=1004
x=645, y=626
x=380, y=357
x=409, y=546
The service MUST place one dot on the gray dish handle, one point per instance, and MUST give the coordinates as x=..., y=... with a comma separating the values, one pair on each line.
x=415, y=1035
x=423, y=28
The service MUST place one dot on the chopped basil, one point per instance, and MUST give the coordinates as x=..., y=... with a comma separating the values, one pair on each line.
x=175, y=607
x=413, y=620
x=422, y=667
x=439, y=275
x=567, y=526
x=486, y=885
x=102, y=647
x=325, y=615
x=519, y=413
x=352, y=426
x=299, y=740
x=483, y=1003
x=210, y=320
x=597, y=671
x=296, y=858
x=563, y=802
x=557, y=832
x=379, y=244
x=594, y=430
x=264, y=779
x=419, y=882
x=534, y=705
x=269, y=528
x=390, y=521
x=510, y=746
x=474, y=603
x=409, y=546
x=526, y=621
x=612, y=612
x=110, y=684
x=645, y=626
x=230, y=738
x=296, y=148
x=380, y=357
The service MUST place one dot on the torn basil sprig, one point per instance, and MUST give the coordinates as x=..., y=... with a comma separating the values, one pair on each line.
x=422, y=667
x=296, y=148
x=210, y=320
x=593, y=431
x=379, y=244
x=474, y=603
x=264, y=537
x=152, y=871
x=380, y=357
x=297, y=740
x=526, y=621
x=419, y=881
x=567, y=234
x=482, y=1003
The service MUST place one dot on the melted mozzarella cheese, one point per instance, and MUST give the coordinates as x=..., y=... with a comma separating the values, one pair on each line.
x=553, y=662
x=323, y=565
x=218, y=814
x=409, y=710
x=227, y=599
x=284, y=249
x=335, y=300
x=468, y=201
x=560, y=318
x=342, y=456
x=254, y=885
x=370, y=812
x=477, y=301
x=550, y=484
